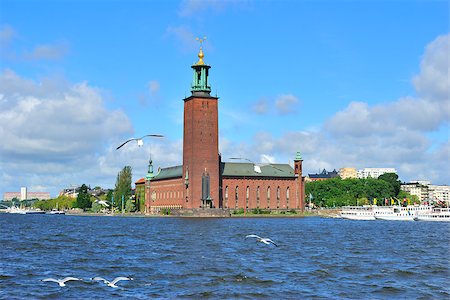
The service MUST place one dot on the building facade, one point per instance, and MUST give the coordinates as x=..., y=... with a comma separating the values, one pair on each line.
x=24, y=194
x=374, y=172
x=345, y=173
x=324, y=175
x=203, y=180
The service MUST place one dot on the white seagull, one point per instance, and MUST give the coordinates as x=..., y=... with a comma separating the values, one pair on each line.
x=61, y=282
x=266, y=241
x=111, y=283
x=102, y=202
x=140, y=142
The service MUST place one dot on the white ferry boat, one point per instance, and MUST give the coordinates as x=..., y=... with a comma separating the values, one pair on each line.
x=24, y=211
x=401, y=213
x=365, y=212
x=438, y=214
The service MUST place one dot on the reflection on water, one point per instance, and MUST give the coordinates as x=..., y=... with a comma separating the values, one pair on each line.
x=193, y=258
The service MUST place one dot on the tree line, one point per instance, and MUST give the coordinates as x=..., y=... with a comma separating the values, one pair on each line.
x=119, y=198
x=338, y=192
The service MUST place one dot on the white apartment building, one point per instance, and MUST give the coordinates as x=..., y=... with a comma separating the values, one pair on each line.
x=374, y=172
x=425, y=191
x=440, y=193
x=417, y=189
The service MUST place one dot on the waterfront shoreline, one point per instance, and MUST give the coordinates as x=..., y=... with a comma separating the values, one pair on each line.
x=324, y=213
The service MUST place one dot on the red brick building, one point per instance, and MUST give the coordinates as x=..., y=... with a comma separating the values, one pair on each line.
x=204, y=181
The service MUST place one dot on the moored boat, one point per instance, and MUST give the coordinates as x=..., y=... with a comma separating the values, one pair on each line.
x=365, y=212
x=56, y=212
x=438, y=214
x=401, y=213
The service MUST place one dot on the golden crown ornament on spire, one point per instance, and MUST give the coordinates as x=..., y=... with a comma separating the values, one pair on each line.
x=200, y=53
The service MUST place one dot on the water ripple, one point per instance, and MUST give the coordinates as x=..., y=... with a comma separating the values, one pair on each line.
x=211, y=258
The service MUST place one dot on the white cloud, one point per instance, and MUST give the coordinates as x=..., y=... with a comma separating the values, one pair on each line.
x=394, y=134
x=52, y=128
x=260, y=107
x=48, y=52
x=183, y=36
x=153, y=87
x=283, y=104
x=7, y=33
x=286, y=104
x=433, y=80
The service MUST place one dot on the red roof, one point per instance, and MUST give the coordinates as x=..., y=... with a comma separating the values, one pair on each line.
x=140, y=181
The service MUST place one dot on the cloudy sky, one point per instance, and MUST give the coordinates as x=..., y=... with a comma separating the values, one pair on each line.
x=346, y=83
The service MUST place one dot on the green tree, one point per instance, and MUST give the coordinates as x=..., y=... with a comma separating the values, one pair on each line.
x=123, y=186
x=83, y=198
x=129, y=206
x=392, y=179
x=109, y=196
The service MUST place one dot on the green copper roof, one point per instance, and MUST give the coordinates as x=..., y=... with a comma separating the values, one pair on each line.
x=248, y=170
x=298, y=156
x=171, y=172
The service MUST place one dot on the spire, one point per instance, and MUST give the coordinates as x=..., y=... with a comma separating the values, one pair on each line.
x=199, y=84
x=200, y=52
x=298, y=156
x=150, y=174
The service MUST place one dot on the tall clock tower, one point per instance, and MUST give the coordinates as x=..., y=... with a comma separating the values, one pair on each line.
x=200, y=141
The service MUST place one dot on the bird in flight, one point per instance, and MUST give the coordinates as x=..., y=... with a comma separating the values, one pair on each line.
x=61, y=282
x=140, y=142
x=111, y=283
x=266, y=241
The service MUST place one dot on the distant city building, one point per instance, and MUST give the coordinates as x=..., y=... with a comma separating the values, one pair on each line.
x=71, y=192
x=425, y=191
x=324, y=175
x=440, y=193
x=25, y=195
x=374, y=172
x=416, y=189
x=345, y=173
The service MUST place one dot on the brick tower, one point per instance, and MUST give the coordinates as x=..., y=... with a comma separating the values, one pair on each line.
x=300, y=184
x=200, y=142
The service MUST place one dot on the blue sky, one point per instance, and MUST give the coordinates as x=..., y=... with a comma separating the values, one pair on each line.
x=346, y=83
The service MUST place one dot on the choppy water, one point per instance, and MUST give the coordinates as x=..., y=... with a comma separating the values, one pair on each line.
x=211, y=258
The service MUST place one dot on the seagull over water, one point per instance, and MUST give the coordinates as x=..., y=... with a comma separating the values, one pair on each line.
x=111, y=283
x=61, y=282
x=266, y=241
x=140, y=142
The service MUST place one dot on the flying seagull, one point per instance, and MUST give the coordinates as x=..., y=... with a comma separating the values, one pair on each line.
x=102, y=202
x=111, y=283
x=61, y=282
x=266, y=241
x=140, y=142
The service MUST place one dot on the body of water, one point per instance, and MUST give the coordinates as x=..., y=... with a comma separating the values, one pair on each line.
x=211, y=258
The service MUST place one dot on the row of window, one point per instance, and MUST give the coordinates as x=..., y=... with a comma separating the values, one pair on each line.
x=169, y=195
x=258, y=197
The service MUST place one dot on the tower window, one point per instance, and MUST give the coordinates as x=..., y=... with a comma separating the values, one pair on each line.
x=247, y=195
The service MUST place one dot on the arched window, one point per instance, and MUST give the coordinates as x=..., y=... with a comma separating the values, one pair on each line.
x=226, y=196
x=268, y=197
x=247, y=195
x=278, y=197
x=257, y=197
x=287, y=197
x=236, y=196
